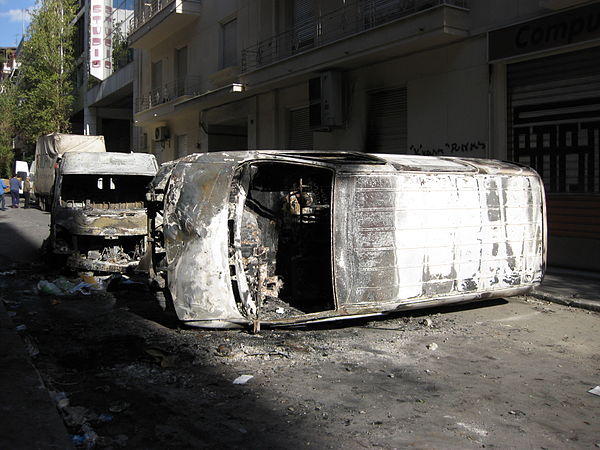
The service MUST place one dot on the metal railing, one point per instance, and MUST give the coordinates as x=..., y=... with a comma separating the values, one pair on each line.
x=149, y=9
x=169, y=92
x=353, y=18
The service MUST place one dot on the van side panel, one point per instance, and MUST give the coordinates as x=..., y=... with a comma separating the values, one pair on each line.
x=412, y=237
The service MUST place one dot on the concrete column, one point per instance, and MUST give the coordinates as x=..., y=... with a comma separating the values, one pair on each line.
x=90, y=121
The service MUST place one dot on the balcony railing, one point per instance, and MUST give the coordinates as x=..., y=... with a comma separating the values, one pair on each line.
x=353, y=18
x=170, y=91
x=151, y=8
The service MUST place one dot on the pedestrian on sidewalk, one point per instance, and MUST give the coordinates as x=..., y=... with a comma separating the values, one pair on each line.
x=26, y=191
x=15, y=187
x=4, y=187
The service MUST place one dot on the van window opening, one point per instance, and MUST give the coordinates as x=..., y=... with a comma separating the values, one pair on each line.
x=285, y=236
x=128, y=190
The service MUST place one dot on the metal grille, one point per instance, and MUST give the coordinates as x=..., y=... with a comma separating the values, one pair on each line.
x=554, y=119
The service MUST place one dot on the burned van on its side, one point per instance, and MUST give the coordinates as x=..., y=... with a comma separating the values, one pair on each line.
x=272, y=237
x=98, y=219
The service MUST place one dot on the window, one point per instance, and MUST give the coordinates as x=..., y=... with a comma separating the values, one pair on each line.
x=303, y=24
x=181, y=145
x=300, y=137
x=229, y=44
x=387, y=125
x=181, y=69
x=156, y=83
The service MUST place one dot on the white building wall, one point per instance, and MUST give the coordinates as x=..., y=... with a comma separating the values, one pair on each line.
x=447, y=101
x=453, y=103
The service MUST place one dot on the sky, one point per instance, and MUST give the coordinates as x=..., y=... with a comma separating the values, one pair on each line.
x=14, y=18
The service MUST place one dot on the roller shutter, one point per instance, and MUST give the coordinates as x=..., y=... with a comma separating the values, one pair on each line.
x=300, y=137
x=387, y=125
x=554, y=126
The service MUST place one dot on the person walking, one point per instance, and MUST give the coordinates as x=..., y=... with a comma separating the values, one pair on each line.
x=4, y=187
x=26, y=191
x=15, y=186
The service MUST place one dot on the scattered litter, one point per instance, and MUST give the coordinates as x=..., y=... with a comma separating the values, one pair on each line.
x=243, y=379
x=105, y=418
x=7, y=273
x=164, y=358
x=516, y=412
x=90, y=436
x=119, y=282
x=280, y=311
x=432, y=346
x=76, y=416
x=21, y=327
x=473, y=428
x=595, y=391
x=118, y=406
x=426, y=322
x=62, y=286
x=224, y=350
x=31, y=346
x=77, y=439
x=60, y=398
x=48, y=288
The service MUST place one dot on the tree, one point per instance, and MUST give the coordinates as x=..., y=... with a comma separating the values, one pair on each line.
x=7, y=108
x=45, y=86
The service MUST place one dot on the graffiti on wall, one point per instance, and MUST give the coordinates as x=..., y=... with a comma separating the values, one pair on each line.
x=448, y=148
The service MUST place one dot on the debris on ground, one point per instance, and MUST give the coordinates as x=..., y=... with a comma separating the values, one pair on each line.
x=426, y=322
x=243, y=379
x=62, y=286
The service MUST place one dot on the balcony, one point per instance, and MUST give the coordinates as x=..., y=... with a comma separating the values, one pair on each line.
x=170, y=92
x=433, y=21
x=158, y=19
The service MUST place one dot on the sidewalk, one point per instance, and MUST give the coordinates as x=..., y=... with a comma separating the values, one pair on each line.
x=572, y=288
x=29, y=418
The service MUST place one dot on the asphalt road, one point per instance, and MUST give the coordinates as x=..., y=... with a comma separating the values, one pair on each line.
x=509, y=373
x=22, y=232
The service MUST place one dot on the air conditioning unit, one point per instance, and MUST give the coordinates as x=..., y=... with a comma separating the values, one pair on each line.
x=326, y=98
x=161, y=134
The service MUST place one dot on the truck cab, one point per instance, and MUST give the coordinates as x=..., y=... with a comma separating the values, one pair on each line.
x=98, y=220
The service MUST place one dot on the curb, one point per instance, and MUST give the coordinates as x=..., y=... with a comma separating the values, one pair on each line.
x=590, y=305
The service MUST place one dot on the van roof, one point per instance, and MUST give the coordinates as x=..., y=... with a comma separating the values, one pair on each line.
x=110, y=163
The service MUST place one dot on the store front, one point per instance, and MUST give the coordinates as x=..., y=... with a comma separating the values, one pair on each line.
x=553, y=123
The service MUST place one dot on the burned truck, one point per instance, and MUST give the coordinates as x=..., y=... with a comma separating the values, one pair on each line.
x=98, y=221
x=272, y=237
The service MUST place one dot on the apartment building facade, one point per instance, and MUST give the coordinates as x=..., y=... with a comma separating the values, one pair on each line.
x=506, y=79
x=104, y=72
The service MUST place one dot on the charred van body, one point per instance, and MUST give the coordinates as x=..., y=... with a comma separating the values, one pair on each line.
x=99, y=220
x=278, y=237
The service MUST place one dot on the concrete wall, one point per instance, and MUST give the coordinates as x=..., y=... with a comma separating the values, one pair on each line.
x=456, y=103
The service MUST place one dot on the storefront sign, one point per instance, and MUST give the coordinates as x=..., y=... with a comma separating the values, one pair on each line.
x=100, y=38
x=546, y=33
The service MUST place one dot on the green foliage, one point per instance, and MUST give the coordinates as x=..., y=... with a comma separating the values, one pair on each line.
x=121, y=54
x=7, y=107
x=45, y=87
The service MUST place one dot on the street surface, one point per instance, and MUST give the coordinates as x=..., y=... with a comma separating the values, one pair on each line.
x=511, y=373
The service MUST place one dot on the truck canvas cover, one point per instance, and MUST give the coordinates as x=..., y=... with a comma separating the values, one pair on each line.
x=52, y=146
